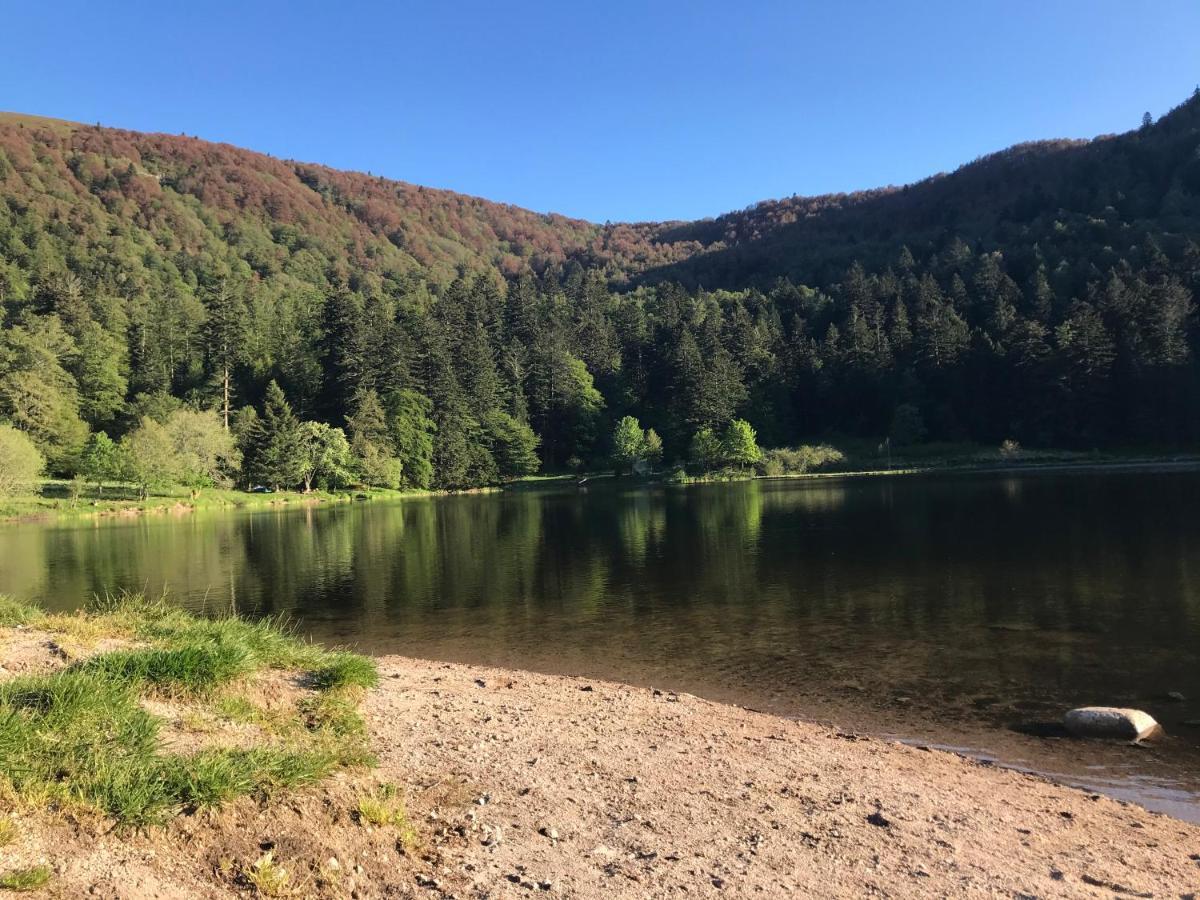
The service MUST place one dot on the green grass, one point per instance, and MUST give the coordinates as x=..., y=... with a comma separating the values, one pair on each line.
x=81, y=735
x=267, y=877
x=53, y=500
x=332, y=713
x=346, y=670
x=385, y=808
x=25, y=879
x=189, y=670
x=13, y=612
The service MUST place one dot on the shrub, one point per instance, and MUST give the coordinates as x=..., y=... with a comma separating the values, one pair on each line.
x=1010, y=449
x=798, y=460
x=20, y=462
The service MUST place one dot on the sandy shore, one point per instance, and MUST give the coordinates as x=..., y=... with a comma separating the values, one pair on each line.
x=520, y=785
x=650, y=794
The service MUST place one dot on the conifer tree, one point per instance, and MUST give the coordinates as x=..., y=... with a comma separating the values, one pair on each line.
x=279, y=454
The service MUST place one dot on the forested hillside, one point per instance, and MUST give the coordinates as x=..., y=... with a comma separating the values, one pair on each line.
x=345, y=327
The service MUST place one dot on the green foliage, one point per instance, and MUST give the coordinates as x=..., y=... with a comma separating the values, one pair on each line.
x=205, y=453
x=413, y=431
x=1044, y=294
x=20, y=462
x=100, y=374
x=800, y=460
x=150, y=455
x=635, y=450
x=652, y=447
x=327, y=458
x=278, y=458
x=739, y=444
x=38, y=394
x=101, y=460
x=370, y=442
x=705, y=451
x=513, y=445
x=191, y=449
x=628, y=443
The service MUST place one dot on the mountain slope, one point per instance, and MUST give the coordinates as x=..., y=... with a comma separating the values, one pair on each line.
x=1123, y=186
x=1044, y=294
x=1147, y=179
x=189, y=195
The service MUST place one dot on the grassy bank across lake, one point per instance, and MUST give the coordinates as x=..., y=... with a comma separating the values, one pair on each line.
x=54, y=501
x=863, y=460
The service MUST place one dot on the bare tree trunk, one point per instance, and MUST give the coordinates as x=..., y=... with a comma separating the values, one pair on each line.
x=225, y=406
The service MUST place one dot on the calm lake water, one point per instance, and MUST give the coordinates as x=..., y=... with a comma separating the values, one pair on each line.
x=944, y=610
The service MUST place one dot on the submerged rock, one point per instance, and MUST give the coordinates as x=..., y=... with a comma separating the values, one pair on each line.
x=1112, y=722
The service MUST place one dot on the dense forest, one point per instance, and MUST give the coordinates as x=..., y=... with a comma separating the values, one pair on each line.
x=221, y=314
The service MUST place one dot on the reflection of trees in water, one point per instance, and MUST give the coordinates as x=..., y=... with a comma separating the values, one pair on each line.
x=1094, y=582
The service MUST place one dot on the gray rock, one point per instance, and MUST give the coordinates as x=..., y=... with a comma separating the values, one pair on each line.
x=1112, y=722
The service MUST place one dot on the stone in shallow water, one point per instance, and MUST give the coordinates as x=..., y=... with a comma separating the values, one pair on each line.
x=1112, y=722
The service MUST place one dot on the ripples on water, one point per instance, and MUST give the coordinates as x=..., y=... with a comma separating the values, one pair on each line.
x=949, y=607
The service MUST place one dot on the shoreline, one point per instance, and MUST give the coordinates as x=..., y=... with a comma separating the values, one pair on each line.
x=1174, y=463
x=43, y=510
x=481, y=781
x=646, y=792
x=215, y=500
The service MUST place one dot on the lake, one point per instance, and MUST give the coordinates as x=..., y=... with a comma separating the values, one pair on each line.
x=950, y=610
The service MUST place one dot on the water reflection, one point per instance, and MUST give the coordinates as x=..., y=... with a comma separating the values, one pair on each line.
x=973, y=601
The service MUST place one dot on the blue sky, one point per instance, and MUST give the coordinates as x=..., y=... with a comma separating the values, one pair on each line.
x=657, y=109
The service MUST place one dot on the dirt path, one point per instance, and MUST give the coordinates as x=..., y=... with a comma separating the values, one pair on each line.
x=602, y=790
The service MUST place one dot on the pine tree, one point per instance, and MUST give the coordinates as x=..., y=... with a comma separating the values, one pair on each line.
x=224, y=338
x=279, y=454
x=413, y=431
x=370, y=441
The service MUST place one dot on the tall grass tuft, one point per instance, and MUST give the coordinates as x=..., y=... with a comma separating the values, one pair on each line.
x=14, y=613
x=344, y=670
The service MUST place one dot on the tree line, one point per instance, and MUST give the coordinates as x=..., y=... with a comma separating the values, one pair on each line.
x=489, y=379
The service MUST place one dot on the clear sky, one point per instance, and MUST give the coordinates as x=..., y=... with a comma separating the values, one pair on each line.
x=618, y=110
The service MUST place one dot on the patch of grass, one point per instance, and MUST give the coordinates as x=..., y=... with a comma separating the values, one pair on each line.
x=237, y=709
x=14, y=613
x=211, y=777
x=8, y=831
x=385, y=807
x=342, y=670
x=29, y=879
x=79, y=736
x=267, y=876
x=190, y=670
x=331, y=713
